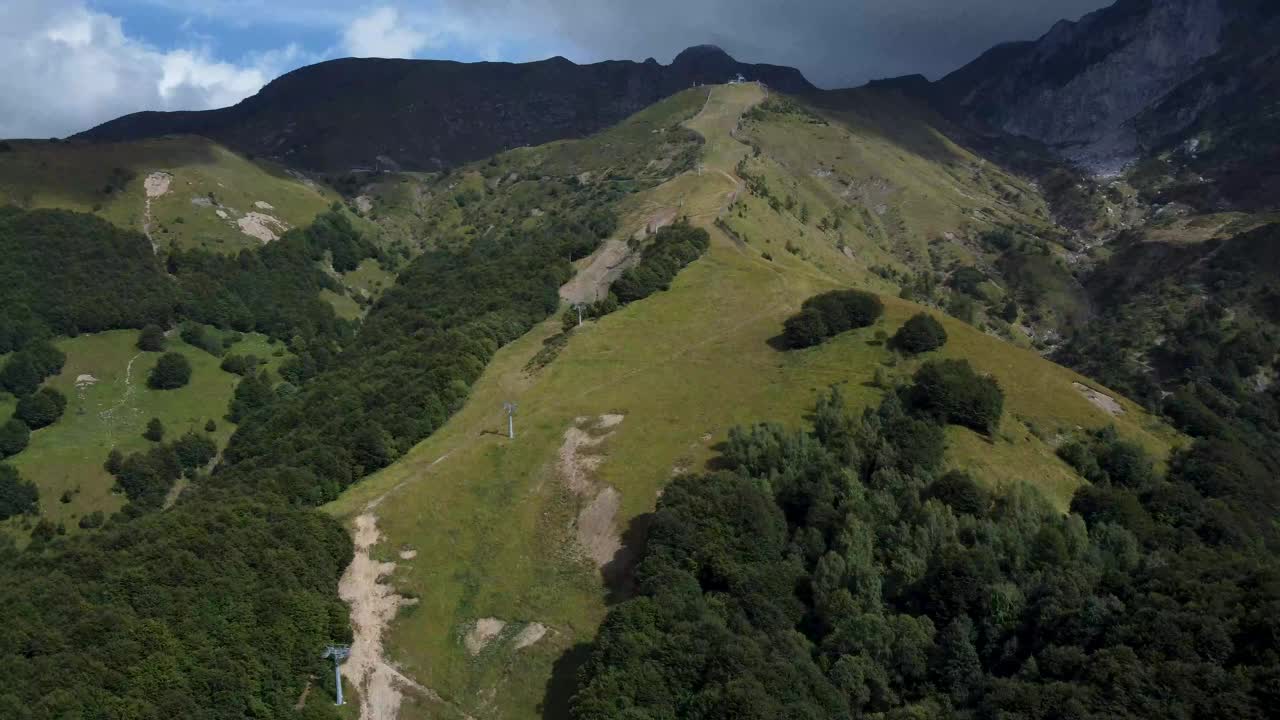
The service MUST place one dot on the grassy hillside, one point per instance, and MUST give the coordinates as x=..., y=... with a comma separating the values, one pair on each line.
x=480, y=527
x=108, y=406
x=213, y=199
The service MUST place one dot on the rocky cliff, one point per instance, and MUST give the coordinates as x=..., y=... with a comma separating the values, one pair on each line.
x=1080, y=86
x=425, y=114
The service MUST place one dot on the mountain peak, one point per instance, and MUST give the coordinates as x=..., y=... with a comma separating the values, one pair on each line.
x=702, y=54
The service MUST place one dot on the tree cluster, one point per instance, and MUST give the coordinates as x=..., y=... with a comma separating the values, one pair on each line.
x=17, y=496
x=921, y=333
x=829, y=314
x=171, y=372
x=146, y=477
x=672, y=248
x=952, y=392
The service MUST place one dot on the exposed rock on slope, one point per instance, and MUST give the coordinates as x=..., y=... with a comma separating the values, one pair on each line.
x=425, y=114
x=1078, y=87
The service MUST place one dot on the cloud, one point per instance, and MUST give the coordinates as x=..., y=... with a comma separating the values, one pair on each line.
x=383, y=33
x=68, y=68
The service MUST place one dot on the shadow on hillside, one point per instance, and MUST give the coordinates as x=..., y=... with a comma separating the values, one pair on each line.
x=717, y=462
x=563, y=682
x=778, y=342
x=619, y=573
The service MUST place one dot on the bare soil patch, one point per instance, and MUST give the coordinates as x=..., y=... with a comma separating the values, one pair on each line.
x=532, y=633
x=157, y=184
x=262, y=226
x=606, y=264
x=373, y=605
x=482, y=632
x=594, y=527
x=1103, y=401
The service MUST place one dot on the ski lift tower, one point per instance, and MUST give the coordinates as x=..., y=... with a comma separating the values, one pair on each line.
x=579, y=307
x=338, y=653
x=510, y=407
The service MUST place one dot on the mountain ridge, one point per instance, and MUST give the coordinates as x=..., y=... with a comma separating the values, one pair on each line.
x=391, y=114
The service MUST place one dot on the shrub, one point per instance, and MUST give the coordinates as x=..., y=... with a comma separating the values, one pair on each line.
x=921, y=333
x=968, y=280
x=92, y=520
x=154, y=431
x=806, y=329
x=194, y=450
x=114, y=462
x=42, y=408
x=951, y=391
x=172, y=371
x=240, y=364
x=14, y=436
x=210, y=426
x=151, y=339
x=959, y=491
x=17, y=496
x=27, y=368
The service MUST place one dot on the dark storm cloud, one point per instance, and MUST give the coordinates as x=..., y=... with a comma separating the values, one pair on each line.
x=834, y=42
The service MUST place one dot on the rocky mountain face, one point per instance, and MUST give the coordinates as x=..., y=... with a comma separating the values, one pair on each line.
x=1088, y=88
x=424, y=114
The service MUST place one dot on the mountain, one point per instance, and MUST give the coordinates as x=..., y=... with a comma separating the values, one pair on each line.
x=426, y=114
x=1099, y=89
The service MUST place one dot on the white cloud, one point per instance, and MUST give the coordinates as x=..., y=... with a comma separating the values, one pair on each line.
x=384, y=33
x=68, y=68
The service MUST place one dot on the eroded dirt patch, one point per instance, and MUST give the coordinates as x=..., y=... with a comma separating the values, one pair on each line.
x=374, y=604
x=532, y=633
x=265, y=228
x=1103, y=401
x=594, y=528
x=157, y=184
x=482, y=632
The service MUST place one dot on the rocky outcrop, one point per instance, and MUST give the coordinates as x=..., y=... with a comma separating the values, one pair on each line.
x=1080, y=86
x=425, y=114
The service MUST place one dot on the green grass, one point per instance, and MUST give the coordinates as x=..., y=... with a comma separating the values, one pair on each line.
x=107, y=179
x=113, y=412
x=492, y=521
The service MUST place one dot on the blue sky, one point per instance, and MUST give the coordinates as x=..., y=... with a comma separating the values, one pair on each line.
x=72, y=64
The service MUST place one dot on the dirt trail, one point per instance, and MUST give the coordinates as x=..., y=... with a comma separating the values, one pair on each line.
x=108, y=416
x=374, y=604
x=591, y=283
x=156, y=185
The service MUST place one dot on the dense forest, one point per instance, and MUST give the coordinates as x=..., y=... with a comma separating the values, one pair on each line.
x=216, y=609
x=62, y=273
x=219, y=606
x=842, y=573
